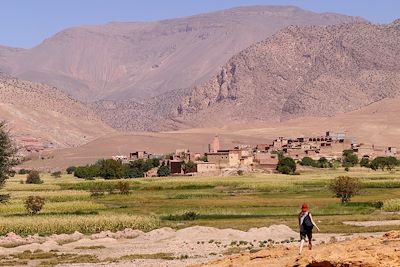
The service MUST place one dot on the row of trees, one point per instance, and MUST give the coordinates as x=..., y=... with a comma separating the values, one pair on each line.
x=287, y=165
x=115, y=169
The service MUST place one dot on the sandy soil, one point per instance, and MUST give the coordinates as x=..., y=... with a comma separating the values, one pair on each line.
x=189, y=246
x=361, y=251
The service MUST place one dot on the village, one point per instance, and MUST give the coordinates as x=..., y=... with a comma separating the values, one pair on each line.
x=247, y=158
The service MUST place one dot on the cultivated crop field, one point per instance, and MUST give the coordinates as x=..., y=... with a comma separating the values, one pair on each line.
x=240, y=202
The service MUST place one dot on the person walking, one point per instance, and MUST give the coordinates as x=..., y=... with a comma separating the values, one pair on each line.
x=306, y=224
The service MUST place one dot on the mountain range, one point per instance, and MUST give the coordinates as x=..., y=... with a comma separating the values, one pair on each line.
x=144, y=59
x=256, y=65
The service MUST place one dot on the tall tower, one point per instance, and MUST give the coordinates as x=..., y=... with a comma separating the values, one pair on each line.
x=214, y=146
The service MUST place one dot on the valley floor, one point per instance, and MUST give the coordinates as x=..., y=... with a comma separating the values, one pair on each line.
x=180, y=221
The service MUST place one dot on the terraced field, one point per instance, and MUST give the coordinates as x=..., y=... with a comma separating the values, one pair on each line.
x=239, y=202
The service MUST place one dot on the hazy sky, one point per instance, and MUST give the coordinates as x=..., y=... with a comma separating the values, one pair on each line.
x=26, y=23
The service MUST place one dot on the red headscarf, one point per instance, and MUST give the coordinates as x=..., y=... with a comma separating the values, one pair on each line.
x=304, y=207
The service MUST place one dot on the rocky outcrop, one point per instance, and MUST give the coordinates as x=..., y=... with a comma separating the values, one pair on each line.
x=302, y=71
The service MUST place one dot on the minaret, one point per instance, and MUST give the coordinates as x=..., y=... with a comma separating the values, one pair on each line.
x=214, y=146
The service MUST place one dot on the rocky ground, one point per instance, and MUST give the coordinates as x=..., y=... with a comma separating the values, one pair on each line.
x=195, y=245
x=360, y=251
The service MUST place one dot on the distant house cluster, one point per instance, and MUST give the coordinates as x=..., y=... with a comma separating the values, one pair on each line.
x=262, y=156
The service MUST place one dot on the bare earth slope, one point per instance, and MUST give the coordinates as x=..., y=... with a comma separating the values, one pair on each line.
x=144, y=59
x=40, y=115
x=302, y=71
x=358, y=252
x=378, y=123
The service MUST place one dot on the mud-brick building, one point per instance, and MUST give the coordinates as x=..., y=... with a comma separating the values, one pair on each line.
x=206, y=167
x=266, y=160
x=138, y=155
x=372, y=151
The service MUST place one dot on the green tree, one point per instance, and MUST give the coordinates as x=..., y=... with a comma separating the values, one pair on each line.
x=111, y=169
x=87, y=172
x=155, y=162
x=286, y=165
x=189, y=166
x=384, y=162
x=364, y=162
x=8, y=157
x=132, y=172
x=71, y=169
x=391, y=163
x=307, y=161
x=163, y=171
x=345, y=187
x=349, y=159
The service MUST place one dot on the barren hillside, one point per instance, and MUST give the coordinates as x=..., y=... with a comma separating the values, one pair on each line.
x=41, y=116
x=144, y=59
x=302, y=71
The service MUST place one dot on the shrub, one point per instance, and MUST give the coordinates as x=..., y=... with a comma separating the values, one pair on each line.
x=71, y=169
x=123, y=187
x=240, y=172
x=391, y=205
x=56, y=174
x=364, y=162
x=378, y=204
x=33, y=177
x=23, y=171
x=4, y=198
x=286, y=165
x=186, y=216
x=163, y=171
x=96, y=191
x=345, y=187
x=203, y=158
x=34, y=204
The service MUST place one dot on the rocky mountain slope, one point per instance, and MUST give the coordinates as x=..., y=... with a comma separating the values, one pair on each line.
x=301, y=71
x=40, y=116
x=145, y=59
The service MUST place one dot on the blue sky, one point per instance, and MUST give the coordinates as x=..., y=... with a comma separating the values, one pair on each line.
x=26, y=23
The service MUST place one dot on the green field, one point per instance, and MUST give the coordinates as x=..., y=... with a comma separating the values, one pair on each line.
x=240, y=202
